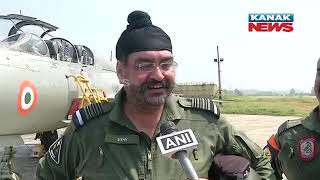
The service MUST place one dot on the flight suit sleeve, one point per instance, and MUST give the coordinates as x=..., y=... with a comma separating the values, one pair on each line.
x=272, y=149
x=236, y=142
x=60, y=160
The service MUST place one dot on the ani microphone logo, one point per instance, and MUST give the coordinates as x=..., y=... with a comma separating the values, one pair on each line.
x=267, y=22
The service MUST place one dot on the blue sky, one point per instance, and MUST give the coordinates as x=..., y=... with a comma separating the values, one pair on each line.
x=268, y=61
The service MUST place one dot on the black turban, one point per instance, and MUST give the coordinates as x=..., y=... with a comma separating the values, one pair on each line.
x=141, y=35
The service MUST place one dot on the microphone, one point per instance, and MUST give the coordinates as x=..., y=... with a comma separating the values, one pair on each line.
x=177, y=145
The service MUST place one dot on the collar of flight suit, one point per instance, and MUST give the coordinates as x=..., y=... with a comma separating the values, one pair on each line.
x=312, y=122
x=172, y=111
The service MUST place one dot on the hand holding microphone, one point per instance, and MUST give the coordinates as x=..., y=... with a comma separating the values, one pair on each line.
x=177, y=144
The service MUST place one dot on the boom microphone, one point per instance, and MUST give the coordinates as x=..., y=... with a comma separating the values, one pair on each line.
x=177, y=144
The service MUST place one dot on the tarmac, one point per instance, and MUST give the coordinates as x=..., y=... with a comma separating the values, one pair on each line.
x=23, y=164
x=258, y=128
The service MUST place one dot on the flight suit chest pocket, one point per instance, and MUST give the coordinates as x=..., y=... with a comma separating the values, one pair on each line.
x=115, y=158
x=124, y=155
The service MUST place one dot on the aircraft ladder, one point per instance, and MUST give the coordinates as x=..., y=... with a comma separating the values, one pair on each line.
x=89, y=94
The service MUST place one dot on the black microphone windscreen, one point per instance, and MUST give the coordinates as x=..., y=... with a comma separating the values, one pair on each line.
x=167, y=127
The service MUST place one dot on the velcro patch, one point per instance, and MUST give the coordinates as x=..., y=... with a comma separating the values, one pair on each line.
x=307, y=148
x=55, y=150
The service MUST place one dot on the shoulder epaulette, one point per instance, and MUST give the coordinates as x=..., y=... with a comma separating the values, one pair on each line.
x=287, y=125
x=84, y=115
x=202, y=104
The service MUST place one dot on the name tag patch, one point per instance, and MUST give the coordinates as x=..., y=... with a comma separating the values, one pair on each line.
x=121, y=139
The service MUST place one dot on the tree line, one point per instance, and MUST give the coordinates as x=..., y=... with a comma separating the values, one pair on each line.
x=253, y=92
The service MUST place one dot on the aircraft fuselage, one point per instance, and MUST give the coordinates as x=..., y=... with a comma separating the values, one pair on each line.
x=36, y=95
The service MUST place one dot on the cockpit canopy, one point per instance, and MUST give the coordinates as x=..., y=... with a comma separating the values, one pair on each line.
x=85, y=55
x=55, y=48
x=62, y=50
x=27, y=43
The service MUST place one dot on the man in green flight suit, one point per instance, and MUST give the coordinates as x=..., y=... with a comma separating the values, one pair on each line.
x=116, y=140
x=295, y=147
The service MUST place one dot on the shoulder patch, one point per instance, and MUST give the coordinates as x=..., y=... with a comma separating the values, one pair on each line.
x=287, y=125
x=55, y=150
x=308, y=148
x=84, y=115
x=202, y=104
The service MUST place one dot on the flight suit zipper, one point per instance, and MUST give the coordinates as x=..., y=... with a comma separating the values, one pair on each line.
x=101, y=157
x=153, y=162
x=149, y=163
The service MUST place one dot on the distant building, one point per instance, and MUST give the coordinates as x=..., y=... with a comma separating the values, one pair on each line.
x=197, y=89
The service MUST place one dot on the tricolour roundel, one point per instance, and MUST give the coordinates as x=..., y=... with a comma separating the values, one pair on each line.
x=27, y=97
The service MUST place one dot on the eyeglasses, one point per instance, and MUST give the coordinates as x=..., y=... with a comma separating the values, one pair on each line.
x=150, y=66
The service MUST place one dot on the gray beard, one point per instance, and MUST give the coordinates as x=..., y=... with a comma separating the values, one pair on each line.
x=137, y=96
x=156, y=101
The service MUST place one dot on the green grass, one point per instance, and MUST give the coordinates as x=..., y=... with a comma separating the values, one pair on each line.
x=269, y=105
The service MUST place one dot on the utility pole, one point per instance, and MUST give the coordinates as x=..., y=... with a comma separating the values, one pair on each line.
x=219, y=60
x=111, y=56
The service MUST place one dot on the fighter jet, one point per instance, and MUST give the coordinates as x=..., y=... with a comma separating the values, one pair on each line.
x=45, y=80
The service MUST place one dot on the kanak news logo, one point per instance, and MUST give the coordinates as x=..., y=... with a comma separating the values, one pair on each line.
x=269, y=22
